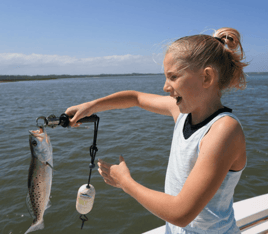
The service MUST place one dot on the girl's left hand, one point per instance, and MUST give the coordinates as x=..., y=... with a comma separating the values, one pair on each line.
x=114, y=175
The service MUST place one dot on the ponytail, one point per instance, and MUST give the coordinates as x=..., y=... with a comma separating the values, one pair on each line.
x=234, y=51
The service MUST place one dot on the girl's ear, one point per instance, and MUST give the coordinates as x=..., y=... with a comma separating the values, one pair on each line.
x=209, y=77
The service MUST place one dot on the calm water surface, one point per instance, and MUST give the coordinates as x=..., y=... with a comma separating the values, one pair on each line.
x=143, y=138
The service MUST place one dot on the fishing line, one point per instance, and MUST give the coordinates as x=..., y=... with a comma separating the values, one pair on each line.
x=86, y=194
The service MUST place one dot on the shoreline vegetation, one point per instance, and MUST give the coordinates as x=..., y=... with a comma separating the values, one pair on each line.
x=12, y=78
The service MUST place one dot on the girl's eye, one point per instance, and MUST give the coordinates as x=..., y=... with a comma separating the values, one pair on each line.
x=173, y=78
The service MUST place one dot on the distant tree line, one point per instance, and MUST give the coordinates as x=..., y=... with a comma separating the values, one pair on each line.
x=49, y=77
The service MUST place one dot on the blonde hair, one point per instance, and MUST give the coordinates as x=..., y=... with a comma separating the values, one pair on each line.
x=222, y=51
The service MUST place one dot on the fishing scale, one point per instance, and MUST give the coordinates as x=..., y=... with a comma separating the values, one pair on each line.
x=86, y=193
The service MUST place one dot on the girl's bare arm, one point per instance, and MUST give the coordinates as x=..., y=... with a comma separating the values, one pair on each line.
x=164, y=105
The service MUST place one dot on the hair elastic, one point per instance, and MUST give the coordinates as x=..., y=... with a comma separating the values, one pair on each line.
x=220, y=40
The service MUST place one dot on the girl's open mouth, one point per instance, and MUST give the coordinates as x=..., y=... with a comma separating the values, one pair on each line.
x=178, y=99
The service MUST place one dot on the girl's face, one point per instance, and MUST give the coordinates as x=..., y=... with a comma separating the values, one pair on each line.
x=183, y=84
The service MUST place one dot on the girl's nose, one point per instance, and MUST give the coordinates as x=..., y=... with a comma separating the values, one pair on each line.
x=167, y=87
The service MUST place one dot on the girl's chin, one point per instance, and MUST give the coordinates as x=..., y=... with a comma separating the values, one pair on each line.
x=183, y=109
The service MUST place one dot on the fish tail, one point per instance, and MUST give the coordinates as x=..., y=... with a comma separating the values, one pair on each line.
x=36, y=226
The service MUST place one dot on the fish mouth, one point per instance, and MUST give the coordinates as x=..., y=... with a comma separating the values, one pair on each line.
x=38, y=135
x=35, y=133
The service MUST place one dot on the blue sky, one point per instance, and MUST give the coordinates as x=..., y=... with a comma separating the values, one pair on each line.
x=93, y=37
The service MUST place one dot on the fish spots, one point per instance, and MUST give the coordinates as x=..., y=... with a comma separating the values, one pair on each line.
x=36, y=198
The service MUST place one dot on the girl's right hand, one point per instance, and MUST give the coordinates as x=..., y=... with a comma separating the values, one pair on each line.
x=78, y=112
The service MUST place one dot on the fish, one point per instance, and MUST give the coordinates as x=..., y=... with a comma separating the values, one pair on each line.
x=39, y=177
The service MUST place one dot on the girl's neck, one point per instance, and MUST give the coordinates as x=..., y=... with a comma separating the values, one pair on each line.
x=203, y=112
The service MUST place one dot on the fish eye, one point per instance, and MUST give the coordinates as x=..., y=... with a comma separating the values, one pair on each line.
x=34, y=143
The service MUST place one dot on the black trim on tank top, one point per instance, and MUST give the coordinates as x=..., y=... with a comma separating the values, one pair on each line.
x=189, y=129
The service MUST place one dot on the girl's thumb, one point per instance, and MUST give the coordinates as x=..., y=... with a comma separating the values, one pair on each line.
x=121, y=159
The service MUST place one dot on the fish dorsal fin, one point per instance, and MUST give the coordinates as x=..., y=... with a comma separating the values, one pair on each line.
x=29, y=206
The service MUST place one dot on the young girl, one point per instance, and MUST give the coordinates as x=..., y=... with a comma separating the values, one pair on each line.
x=208, y=151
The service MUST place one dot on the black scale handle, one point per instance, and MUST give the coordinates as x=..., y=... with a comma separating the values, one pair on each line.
x=63, y=120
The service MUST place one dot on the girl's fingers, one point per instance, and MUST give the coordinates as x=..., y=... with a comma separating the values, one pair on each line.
x=102, y=173
x=76, y=125
x=110, y=182
x=107, y=179
x=104, y=164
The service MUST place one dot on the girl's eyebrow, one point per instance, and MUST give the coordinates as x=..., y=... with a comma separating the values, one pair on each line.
x=180, y=68
x=170, y=72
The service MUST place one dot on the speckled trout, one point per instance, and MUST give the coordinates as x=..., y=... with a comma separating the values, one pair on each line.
x=39, y=177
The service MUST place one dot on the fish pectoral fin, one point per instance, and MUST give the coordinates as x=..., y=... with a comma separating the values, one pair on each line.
x=48, y=204
x=29, y=206
x=49, y=166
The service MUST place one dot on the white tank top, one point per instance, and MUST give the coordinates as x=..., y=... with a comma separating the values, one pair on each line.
x=218, y=215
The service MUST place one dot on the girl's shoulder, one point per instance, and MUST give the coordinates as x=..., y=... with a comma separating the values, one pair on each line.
x=229, y=133
x=226, y=126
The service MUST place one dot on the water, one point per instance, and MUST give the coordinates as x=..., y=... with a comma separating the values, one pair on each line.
x=142, y=137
